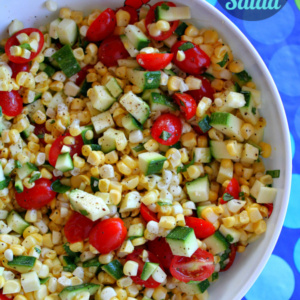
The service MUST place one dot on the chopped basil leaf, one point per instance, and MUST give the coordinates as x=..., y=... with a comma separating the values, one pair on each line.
x=247, y=96
x=203, y=285
x=185, y=167
x=139, y=148
x=254, y=110
x=186, y=46
x=237, y=87
x=182, y=103
x=165, y=6
x=181, y=29
x=227, y=197
x=4, y=183
x=273, y=173
x=204, y=124
x=208, y=76
x=214, y=276
x=241, y=194
x=35, y=177
x=69, y=251
x=83, y=212
x=52, y=121
x=25, y=46
x=229, y=238
x=177, y=145
x=244, y=77
x=44, y=280
x=164, y=203
x=165, y=135
x=94, y=262
x=224, y=60
x=58, y=187
x=41, y=136
x=95, y=147
x=94, y=184
x=18, y=165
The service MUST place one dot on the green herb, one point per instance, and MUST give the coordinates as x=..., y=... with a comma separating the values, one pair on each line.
x=182, y=103
x=269, y=185
x=95, y=147
x=4, y=183
x=52, y=121
x=165, y=6
x=35, y=177
x=83, y=212
x=44, y=280
x=214, y=276
x=224, y=60
x=203, y=285
x=37, y=96
x=165, y=135
x=85, y=87
x=49, y=70
x=229, y=238
x=254, y=110
x=237, y=87
x=227, y=197
x=18, y=165
x=25, y=46
x=208, y=76
x=37, y=250
x=273, y=173
x=58, y=187
x=241, y=194
x=139, y=148
x=181, y=29
x=94, y=184
x=243, y=76
x=185, y=167
x=164, y=203
x=247, y=96
x=176, y=146
x=94, y=262
x=186, y=46
x=204, y=124
x=2, y=50
x=69, y=251
x=41, y=136
x=69, y=264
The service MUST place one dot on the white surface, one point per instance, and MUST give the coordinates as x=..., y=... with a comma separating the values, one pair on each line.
x=233, y=284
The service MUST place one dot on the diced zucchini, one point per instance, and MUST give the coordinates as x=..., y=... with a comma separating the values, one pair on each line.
x=219, y=150
x=249, y=112
x=182, y=241
x=255, y=95
x=70, y=292
x=235, y=100
x=58, y=98
x=181, y=29
x=135, y=106
x=16, y=222
x=113, y=139
x=232, y=235
x=26, y=133
x=133, y=52
x=89, y=205
x=94, y=262
x=114, y=269
x=266, y=195
x=136, y=230
x=102, y=122
x=250, y=154
x=148, y=269
x=30, y=282
x=146, y=80
x=256, y=189
x=138, y=39
x=100, y=97
x=108, y=143
x=114, y=88
x=26, y=170
x=151, y=162
x=225, y=173
x=170, y=14
x=83, y=134
x=147, y=93
x=194, y=288
x=198, y=189
x=159, y=102
x=68, y=264
x=64, y=162
x=130, y=123
x=202, y=155
x=216, y=243
x=67, y=32
x=22, y=264
x=131, y=201
x=34, y=107
x=53, y=28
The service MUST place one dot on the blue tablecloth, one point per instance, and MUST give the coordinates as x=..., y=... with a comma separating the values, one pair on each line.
x=277, y=40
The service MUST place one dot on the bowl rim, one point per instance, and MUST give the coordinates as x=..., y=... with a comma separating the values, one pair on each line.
x=286, y=142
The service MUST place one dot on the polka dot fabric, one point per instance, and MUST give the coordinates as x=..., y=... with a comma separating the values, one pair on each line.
x=277, y=40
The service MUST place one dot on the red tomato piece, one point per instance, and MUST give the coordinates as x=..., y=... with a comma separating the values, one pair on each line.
x=187, y=104
x=11, y=103
x=136, y=256
x=147, y=214
x=38, y=196
x=196, y=60
x=136, y=4
x=202, y=228
x=58, y=144
x=162, y=250
x=206, y=90
x=150, y=18
x=231, y=257
x=110, y=50
x=17, y=68
x=198, y=267
x=108, y=235
x=81, y=75
x=233, y=188
x=133, y=13
x=154, y=61
x=270, y=208
x=39, y=131
x=3, y=297
x=78, y=228
x=102, y=27
x=171, y=125
x=13, y=41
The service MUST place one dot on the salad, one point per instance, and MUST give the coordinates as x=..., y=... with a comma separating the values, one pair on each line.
x=131, y=157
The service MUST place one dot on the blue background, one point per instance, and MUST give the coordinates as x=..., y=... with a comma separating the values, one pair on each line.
x=277, y=40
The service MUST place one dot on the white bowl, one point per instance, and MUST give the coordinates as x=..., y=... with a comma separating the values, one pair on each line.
x=235, y=283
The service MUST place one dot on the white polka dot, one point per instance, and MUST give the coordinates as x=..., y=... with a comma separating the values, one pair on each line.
x=272, y=30
x=297, y=255
x=292, y=219
x=276, y=282
x=293, y=146
x=284, y=66
x=212, y=2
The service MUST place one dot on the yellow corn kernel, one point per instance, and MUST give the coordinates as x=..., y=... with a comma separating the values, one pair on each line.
x=236, y=66
x=151, y=145
x=78, y=162
x=266, y=179
x=167, y=222
x=187, y=38
x=260, y=227
x=240, y=249
x=193, y=83
x=104, y=278
x=115, y=196
x=229, y=222
x=254, y=214
x=76, y=247
x=191, y=31
x=247, y=130
x=163, y=25
x=123, y=168
x=210, y=36
x=189, y=140
x=150, y=197
x=129, y=162
x=86, y=150
x=122, y=18
x=174, y=83
x=111, y=157
x=193, y=172
x=244, y=217
x=138, y=241
x=266, y=149
x=27, y=184
x=104, y=185
x=180, y=221
x=56, y=86
x=17, y=249
x=131, y=182
x=65, y=13
x=95, y=158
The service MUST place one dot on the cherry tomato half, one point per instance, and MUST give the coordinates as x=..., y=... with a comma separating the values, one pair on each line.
x=81, y=75
x=13, y=41
x=196, y=60
x=198, y=267
x=108, y=235
x=110, y=50
x=233, y=189
x=11, y=103
x=78, y=228
x=133, y=13
x=39, y=131
x=150, y=18
x=187, y=104
x=38, y=196
x=202, y=228
x=162, y=250
x=231, y=257
x=270, y=208
x=17, y=68
x=206, y=90
x=154, y=61
x=167, y=129
x=147, y=214
x=102, y=27
x=3, y=297
x=136, y=4
x=136, y=256
x=58, y=144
